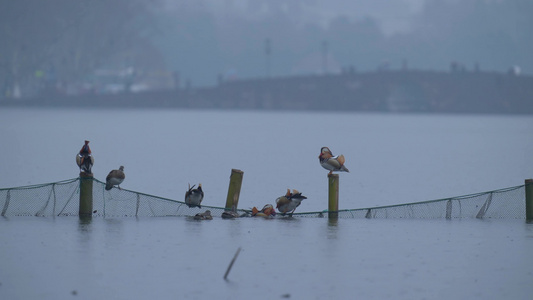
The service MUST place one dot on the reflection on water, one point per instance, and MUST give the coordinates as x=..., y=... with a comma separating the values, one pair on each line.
x=84, y=223
x=333, y=222
x=332, y=228
x=529, y=229
x=85, y=232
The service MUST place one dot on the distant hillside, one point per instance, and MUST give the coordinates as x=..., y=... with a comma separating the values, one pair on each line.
x=383, y=91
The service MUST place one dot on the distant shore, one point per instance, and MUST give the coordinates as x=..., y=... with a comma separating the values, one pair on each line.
x=381, y=91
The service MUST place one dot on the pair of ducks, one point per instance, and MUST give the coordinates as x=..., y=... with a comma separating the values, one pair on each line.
x=290, y=201
x=285, y=204
x=85, y=162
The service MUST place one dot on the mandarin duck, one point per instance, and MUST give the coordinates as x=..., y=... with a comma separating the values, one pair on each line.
x=330, y=162
x=204, y=216
x=267, y=211
x=194, y=197
x=115, y=177
x=289, y=202
x=84, y=158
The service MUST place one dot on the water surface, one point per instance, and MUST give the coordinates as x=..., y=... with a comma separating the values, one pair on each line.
x=180, y=258
x=393, y=159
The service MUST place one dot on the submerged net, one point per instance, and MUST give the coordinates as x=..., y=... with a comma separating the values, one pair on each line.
x=506, y=203
x=62, y=199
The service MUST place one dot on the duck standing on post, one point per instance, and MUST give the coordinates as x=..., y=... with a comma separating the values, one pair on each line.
x=84, y=158
x=194, y=197
x=330, y=162
x=115, y=177
x=289, y=202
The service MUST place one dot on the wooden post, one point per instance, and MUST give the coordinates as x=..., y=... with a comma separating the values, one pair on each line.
x=234, y=190
x=86, y=195
x=333, y=196
x=529, y=200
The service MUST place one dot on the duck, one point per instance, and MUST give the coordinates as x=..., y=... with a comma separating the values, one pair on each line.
x=230, y=214
x=194, y=197
x=267, y=211
x=84, y=158
x=115, y=177
x=289, y=202
x=330, y=162
x=206, y=215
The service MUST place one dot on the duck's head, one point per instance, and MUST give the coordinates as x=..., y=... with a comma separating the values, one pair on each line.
x=325, y=153
x=269, y=210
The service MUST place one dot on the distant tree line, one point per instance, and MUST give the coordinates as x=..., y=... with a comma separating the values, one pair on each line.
x=63, y=40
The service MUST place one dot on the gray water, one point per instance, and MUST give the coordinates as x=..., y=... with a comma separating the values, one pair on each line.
x=179, y=258
x=393, y=159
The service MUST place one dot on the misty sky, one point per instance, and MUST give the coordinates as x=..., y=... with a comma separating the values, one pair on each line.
x=393, y=16
x=228, y=38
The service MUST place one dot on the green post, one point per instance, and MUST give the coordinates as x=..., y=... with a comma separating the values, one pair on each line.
x=529, y=200
x=86, y=194
x=333, y=196
x=234, y=190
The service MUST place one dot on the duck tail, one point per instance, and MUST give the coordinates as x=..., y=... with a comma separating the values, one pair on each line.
x=341, y=159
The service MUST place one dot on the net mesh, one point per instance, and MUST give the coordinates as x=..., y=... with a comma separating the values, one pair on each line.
x=506, y=203
x=63, y=198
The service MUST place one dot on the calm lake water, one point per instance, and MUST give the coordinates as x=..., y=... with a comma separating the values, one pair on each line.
x=393, y=159
x=179, y=258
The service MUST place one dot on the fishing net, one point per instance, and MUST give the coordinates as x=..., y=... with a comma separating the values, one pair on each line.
x=63, y=199
x=506, y=203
